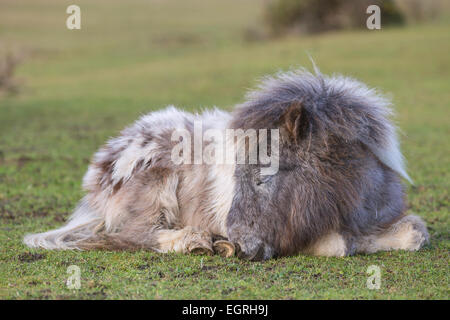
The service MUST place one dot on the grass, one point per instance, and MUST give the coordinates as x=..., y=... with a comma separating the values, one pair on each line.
x=83, y=86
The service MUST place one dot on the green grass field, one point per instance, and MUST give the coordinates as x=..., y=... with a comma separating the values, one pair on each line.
x=82, y=86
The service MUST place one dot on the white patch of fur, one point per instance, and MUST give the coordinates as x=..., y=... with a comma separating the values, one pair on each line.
x=113, y=208
x=214, y=118
x=331, y=245
x=159, y=121
x=221, y=175
x=90, y=178
x=156, y=123
x=223, y=191
x=124, y=166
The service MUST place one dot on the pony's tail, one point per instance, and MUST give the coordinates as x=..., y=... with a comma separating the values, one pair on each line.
x=81, y=228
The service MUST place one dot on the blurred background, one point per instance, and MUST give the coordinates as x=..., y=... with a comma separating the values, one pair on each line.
x=64, y=92
x=156, y=51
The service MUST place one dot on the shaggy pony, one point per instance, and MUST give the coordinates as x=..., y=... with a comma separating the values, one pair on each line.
x=337, y=191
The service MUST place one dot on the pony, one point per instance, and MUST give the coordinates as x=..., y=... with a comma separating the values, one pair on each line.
x=337, y=190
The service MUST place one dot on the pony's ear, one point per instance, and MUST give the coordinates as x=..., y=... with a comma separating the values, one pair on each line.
x=295, y=122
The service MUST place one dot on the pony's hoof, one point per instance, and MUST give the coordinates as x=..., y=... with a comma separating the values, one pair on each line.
x=201, y=250
x=224, y=248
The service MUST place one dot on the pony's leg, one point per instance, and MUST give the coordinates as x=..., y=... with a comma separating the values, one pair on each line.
x=152, y=237
x=333, y=244
x=409, y=233
x=185, y=240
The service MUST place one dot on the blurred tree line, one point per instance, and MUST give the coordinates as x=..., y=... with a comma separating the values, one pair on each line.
x=314, y=16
